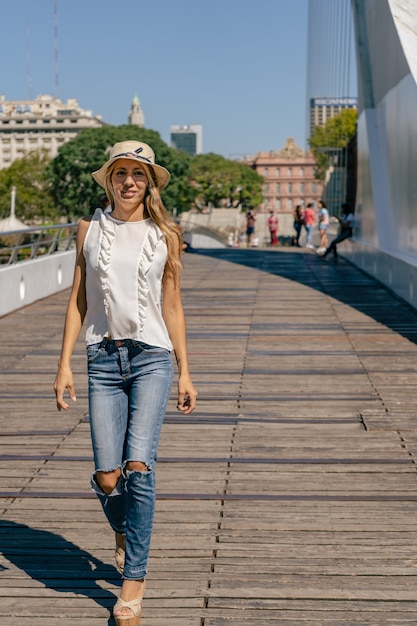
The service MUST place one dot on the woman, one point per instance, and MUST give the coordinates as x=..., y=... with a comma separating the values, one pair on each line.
x=324, y=219
x=273, y=223
x=309, y=217
x=125, y=258
x=298, y=224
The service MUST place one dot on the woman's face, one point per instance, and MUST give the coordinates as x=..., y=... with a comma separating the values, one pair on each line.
x=129, y=183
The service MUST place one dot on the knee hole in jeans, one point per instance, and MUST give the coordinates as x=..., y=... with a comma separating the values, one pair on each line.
x=137, y=466
x=107, y=481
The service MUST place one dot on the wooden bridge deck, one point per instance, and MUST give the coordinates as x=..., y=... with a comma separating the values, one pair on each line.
x=288, y=498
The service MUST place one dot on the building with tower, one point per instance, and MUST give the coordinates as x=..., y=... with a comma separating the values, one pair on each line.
x=188, y=138
x=289, y=177
x=136, y=116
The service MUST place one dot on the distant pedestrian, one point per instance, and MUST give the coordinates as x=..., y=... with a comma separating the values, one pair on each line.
x=273, y=223
x=346, y=230
x=324, y=218
x=309, y=217
x=298, y=224
x=250, y=227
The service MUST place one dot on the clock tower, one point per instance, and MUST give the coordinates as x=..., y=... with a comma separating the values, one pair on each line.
x=136, y=116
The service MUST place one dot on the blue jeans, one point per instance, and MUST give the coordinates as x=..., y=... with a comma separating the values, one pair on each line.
x=345, y=234
x=309, y=230
x=129, y=384
x=297, y=227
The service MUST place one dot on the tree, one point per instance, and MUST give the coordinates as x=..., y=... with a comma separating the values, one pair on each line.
x=218, y=180
x=251, y=194
x=74, y=189
x=34, y=201
x=335, y=134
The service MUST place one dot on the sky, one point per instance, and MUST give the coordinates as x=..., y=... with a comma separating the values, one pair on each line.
x=237, y=67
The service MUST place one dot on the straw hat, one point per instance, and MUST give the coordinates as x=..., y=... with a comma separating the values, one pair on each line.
x=135, y=151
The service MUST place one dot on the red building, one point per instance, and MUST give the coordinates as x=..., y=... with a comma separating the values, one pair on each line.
x=289, y=178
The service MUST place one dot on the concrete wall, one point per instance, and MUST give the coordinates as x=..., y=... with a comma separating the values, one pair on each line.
x=28, y=281
x=227, y=221
x=386, y=204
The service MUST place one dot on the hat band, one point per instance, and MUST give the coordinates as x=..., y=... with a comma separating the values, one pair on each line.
x=134, y=154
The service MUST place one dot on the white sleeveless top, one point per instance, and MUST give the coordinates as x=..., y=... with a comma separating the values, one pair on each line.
x=125, y=263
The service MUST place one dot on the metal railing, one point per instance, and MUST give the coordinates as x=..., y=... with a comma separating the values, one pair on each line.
x=33, y=242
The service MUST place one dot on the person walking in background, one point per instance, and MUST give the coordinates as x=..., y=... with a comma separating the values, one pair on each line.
x=346, y=230
x=298, y=224
x=273, y=223
x=250, y=227
x=309, y=217
x=324, y=218
x=126, y=258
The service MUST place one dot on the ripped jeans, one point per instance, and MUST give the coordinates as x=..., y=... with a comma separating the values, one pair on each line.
x=129, y=384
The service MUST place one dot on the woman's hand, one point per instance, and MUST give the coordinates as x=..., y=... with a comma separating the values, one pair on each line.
x=64, y=381
x=187, y=395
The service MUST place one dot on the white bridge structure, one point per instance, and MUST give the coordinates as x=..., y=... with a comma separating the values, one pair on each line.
x=384, y=36
x=35, y=263
x=385, y=243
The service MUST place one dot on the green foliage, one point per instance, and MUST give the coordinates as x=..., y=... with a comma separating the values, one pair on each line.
x=48, y=190
x=336, y=133
x=34, y=201
x=217, y=179
x=251, y=195
x=76, y=192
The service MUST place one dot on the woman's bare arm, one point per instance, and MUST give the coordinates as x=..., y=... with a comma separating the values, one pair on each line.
x=74, y=318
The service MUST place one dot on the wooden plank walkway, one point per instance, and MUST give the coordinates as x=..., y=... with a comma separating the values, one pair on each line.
x=288, y=498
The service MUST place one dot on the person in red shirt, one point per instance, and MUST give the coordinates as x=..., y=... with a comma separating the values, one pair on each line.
x=273, y=227
x=309, y=217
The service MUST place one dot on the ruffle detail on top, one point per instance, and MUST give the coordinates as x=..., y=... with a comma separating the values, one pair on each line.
x=103, y=263
x=153, y=236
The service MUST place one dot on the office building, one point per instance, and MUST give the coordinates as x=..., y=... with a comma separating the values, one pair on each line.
x=45, y=123
x=323, y=109
x=187, y=138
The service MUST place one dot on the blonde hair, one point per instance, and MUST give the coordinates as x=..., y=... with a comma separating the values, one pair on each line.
x=158, y=213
